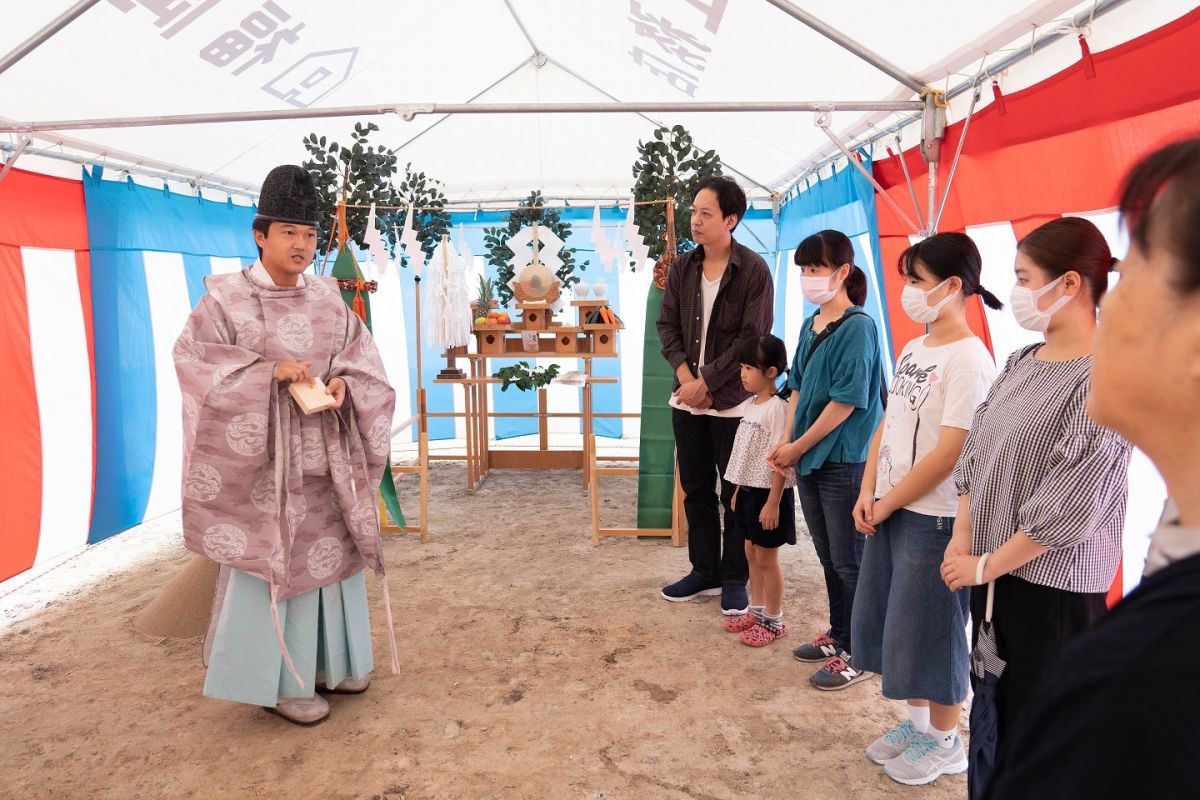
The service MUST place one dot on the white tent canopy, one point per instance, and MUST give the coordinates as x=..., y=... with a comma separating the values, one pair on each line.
x=122, y=58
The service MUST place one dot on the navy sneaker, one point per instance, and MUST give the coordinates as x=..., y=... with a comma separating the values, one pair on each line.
x=837, y=673
x=734, y=600
x=689, y=588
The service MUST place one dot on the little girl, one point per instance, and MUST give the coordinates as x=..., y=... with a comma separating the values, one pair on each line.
x=763, y=504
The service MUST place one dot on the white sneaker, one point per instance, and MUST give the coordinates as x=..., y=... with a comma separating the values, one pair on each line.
x=302, y=710
x=893, y=743
x=925, y=761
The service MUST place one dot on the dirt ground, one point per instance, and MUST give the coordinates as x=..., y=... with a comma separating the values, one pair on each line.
x=534, y=666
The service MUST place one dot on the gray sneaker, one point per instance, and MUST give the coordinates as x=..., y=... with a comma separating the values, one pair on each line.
x=893, y=743
x=925, y=761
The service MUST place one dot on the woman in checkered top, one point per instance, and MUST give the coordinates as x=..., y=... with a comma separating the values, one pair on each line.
x=1042, y=487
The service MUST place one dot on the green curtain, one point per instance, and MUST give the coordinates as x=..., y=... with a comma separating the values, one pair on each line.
x=344, y=268
x=656, y=465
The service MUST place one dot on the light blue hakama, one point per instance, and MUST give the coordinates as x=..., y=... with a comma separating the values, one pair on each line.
x=326, y=630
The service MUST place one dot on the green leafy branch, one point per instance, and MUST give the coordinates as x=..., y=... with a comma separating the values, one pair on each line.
x=669, y=165
x=362, y=174
x=525, y=378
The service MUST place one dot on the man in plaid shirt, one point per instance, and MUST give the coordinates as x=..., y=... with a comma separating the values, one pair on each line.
x=717, y=295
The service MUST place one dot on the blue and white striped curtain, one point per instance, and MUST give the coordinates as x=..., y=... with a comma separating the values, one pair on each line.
x=845, y=202
x=150, y=251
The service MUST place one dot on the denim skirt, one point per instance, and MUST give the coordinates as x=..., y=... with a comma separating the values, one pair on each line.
x=907, y=625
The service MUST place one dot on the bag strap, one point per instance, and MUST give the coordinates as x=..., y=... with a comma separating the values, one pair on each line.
x=828, y=331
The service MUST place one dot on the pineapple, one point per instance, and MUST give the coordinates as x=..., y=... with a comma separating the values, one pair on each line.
x=486, y=299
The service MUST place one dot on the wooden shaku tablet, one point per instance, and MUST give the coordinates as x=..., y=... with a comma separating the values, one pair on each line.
x=311, y=398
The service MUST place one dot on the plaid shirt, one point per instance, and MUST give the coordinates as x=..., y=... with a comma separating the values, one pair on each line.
x=1035, y=461
x=745, y=306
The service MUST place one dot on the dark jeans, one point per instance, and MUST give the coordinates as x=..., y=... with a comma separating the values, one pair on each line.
x=703, y=445
x=827, y=497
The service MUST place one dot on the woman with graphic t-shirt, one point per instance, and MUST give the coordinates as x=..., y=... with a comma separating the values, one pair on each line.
x=907, y=625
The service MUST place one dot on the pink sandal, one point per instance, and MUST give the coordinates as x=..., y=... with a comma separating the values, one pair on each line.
x=763, y=633
x=742, y=622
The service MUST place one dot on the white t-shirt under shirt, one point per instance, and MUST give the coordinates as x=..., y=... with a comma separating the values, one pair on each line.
x=763, y=426
x=708, y=298
x=934, y=387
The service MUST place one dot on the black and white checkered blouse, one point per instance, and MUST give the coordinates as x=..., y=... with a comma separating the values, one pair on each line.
x=1034, y=461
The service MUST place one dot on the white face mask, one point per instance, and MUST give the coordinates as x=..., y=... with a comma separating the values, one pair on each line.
x=916, y=303
x=818, y=289
x=1025, y=306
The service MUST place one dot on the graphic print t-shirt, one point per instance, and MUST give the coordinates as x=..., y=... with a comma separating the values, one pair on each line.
x=934, y=387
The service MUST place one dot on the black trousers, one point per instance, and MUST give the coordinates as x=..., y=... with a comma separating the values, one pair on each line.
x=703, y=445
x=1032, y=623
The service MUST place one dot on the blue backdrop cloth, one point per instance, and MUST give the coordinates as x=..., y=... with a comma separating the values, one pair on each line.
x=125, y=221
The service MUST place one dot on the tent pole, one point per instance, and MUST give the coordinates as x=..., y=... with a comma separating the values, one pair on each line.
x=846, y=43
x=8, y=165
x=35, y=41
x=408, y=112
x=933, y=131
x=933, y=171
x=417, y=287
x=822, y=122
x=954, y=163
x=908, y=181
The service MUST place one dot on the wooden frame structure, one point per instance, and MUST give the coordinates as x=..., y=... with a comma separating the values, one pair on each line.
x=582, y=341
x=677, y=531
x=421, y=470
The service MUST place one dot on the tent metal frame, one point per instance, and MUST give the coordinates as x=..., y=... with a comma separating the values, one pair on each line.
x=410, y=111
x=54, y=26
x=1081, y=20
x=931, y=108
x=11, y=161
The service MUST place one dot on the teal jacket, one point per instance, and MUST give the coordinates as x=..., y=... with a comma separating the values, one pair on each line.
x=846, y=367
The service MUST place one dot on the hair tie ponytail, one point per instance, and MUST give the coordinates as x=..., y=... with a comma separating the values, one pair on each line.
x=990, y=300
x=1113, y=266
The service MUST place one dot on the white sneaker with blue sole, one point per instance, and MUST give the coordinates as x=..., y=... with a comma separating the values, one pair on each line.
x=925, y=761
x=893, y=743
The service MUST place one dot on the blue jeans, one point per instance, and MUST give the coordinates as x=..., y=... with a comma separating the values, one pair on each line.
x=908, y=626
x=827, y=497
